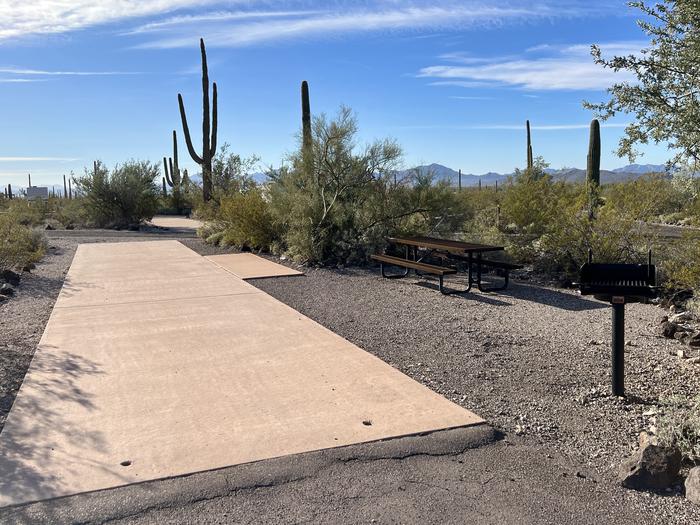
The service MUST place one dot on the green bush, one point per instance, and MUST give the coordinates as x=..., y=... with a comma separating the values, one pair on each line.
x=19, y=244
x=647, y=198
x=338, y=203
x=245, y=221
x=679, y=426
x=125, y=197
x=612, y=238
x=27, y=213
x=681, y=262
x=71, y=213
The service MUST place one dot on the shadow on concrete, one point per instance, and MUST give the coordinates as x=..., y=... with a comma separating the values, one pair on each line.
x=53, y=376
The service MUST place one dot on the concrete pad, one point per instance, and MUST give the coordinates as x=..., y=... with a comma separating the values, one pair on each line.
x=250, y=266
x=121, y=393
x=177, y=222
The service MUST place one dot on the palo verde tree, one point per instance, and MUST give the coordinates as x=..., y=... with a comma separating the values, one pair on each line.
x=209, y=128
x=664, y=97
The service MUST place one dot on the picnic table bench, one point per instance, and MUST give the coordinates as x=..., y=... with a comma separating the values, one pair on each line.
x=448, y=251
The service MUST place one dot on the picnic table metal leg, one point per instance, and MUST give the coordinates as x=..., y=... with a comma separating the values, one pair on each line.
x=396, y=276
x=492, y=288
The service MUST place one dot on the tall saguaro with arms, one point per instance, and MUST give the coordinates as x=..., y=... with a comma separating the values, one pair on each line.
x=209, y=128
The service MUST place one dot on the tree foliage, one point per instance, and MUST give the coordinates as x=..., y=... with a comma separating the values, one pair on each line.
x=665, y=96
x=338, y=202
x=126, y=196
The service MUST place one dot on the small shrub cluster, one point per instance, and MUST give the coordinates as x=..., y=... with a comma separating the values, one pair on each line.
x=679, y=426
x=20, y=245
x=333, y=202
x=125, y=197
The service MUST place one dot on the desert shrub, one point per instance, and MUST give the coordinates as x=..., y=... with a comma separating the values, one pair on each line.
x=71, y=213
x=530, y=201
x=27, y=213
x=126, y=196
x=19, y=244
x=679, y=426
x=245, y=221
x=647, y=198
x=611, y=237
x=337, y=202
x=681, y=262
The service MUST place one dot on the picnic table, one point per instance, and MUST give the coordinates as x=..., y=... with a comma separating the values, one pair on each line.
x=448, y=251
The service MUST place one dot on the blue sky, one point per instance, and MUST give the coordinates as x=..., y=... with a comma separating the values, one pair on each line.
x=452, y=81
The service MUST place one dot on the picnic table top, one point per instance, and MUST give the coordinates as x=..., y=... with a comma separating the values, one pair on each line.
x=445, y=244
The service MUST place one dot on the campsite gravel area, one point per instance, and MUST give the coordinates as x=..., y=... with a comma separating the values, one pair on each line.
x=533, y=361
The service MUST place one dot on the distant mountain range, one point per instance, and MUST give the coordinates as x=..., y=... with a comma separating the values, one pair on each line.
x=633, y=171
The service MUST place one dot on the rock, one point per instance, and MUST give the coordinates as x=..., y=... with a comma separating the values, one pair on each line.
x=681, y=317
x=3, y=299
x=693, y=340
x=662, y=320
x=681, y=336
x=692, y=486
x=645, y=438
x=29, y=267
x=7, y=290
x=681, y=353
x=667, y=329
x=10, y=277
x=680, y=297
x=69, y=227
x=650, y=467
x=48, y=227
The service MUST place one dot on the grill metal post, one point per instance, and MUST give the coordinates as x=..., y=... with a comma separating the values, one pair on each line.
x=618, y=348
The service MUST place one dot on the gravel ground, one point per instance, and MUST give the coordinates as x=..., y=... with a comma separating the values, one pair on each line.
x=533, y=361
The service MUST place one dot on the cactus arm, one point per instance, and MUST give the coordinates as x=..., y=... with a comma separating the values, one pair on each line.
x=529, y=146
x=593, y=168
x=175, y=159
x=167, y=175
x=305, y=115
x=186, y=130
x=206, y=124
x=172, y=172
x=214, y=122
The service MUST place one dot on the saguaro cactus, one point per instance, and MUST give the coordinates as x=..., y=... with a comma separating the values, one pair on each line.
x=29, y=176
x=70, y=191
x=65, y=188
x=208, y=131
x=172, y=168
x=593, y=167
x=529, y=146
x=305, y=115
x=9, y=191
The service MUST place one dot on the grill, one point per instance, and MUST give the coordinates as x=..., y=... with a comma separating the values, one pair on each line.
x=618, y=284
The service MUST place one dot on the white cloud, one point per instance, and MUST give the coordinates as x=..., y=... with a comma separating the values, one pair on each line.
x=214, y=16
x=37, y=159
x=450, y=15
x=31, y=17
x=566, y=68
x=266, y=20
x=20, y=80
x=43, y=72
